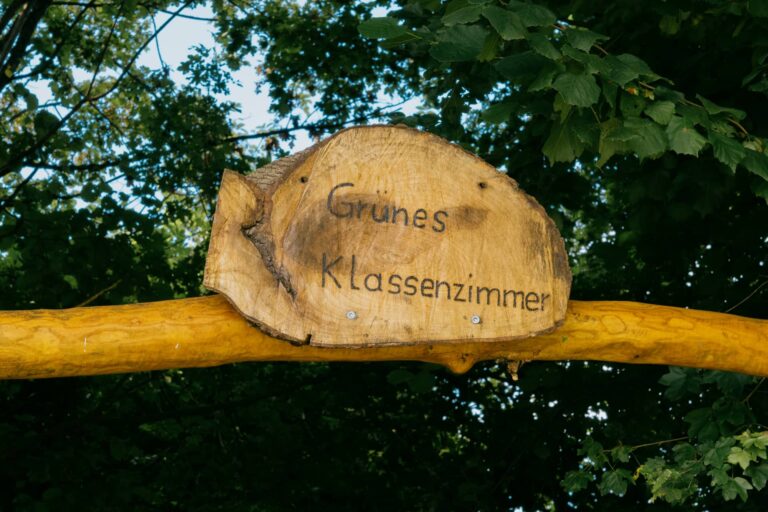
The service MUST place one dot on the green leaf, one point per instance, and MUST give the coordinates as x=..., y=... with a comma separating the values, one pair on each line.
x=716, y=455
x=741, y=457
x=726, y=150
x=422, y=382
x=661, y=111
x=586, y=128
x=713, y=109
x=621, y=453
x=619, y=72
x=744, y=486
x=506, y=23
x=669, y=25
x=562, y=145
x=611, y=140
x=680, y=382
x=759, y=475
x=392, y=42
x=730, y=490
x=546, y=75
x=593, y=450
x=533, y=15
x=490, y=47
x=543, y=46
x=385, y=27
x=459, y=43
x=592, y=63
x=468, y=14
x=683, y=137
x=637, y=65
x=632, y=105
x=610, y=93
x=761, y=86
x=521, y=67
x=760, y=188
x=758, y=8
x=498, y=113
x=615, y=482
x=649, y=139
x=45, y=122
x=756, y=163
x=702, y=424
x=579, y=90
x=720, y=476
x=582, y=38
x=71, y=280
x=575, y=481
x=399, y=376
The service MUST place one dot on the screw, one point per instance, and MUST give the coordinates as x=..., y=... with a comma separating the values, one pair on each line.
x=475, y=319
x=351, y=315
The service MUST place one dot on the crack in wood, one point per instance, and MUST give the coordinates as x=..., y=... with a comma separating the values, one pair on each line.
x=265, y=244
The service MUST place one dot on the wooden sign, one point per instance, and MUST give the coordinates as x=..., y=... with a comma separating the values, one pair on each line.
x=384, y=235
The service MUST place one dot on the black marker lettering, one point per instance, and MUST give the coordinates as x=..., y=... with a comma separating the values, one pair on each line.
x=377, y=278
x=352, y=275
x=439, y=222
x=460, y=287
x=396, y=211
x=409, y=286
x=488, y=293
x=384, y=214
x=327, y=270
x=544, y=297
x=419, y=216
x=437, y=289
x=531, y=298
x=360, y=208
x=343, y=214
x=427, y=285
x=393, y=285
x=514, y=294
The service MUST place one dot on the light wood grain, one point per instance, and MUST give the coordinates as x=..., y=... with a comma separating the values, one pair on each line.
x=209, y=332
x=384, y=235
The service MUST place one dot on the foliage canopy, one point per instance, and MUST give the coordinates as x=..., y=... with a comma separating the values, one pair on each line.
x=640, y=126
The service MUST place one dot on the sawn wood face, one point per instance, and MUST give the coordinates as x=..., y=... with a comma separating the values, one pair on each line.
x=383, y=236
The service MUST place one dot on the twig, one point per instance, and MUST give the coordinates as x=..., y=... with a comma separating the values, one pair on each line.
x=7, y=200
x=157, y=43
x=745, y=299
x=5, y=169
x=99, y=294
x=656, y=443
x=759, y=383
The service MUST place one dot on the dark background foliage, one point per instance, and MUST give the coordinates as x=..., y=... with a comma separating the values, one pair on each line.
x=670, y=228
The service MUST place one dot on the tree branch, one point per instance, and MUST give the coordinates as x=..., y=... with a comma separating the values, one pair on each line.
x=46, y=63
x=311, y=127
x=99, y=294
x=29, y=21
x=8, y=199
x=14, y=163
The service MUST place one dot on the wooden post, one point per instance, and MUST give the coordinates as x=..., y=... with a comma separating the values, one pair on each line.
x=208, y=331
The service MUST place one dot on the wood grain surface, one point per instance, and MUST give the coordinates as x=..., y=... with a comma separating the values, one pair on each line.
x=207, y=331
x=385, y=235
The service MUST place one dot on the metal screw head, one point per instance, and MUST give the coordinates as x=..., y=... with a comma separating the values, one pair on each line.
x=475, y=319
x=351, y=315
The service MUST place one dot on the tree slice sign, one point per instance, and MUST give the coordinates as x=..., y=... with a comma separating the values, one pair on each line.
x=384, y=235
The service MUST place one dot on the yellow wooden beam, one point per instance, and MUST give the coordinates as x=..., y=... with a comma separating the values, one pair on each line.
x=207, y=331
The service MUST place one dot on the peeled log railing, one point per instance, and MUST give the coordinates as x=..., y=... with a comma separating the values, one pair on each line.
x=207, y=331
